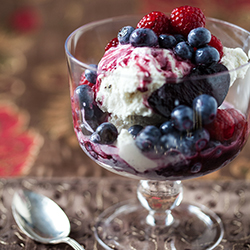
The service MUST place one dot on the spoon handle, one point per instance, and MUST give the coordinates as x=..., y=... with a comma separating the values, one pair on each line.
x=72, y=243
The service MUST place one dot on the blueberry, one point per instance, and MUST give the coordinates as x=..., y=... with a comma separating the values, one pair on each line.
x=167, y=127
x=206, y=55
x=84, y=95
x=148, y=141
x=182, y=117
x=135, y=129
x=194, y=142
x=167, y=41
x=143, y=37
x=179, y=38
x=95, y=137
x=124, y=34
x=184, y=50
x=91, y=73
x=199, y=37
x=106, y=133
x=170, y=141
x=205, y=108
x=200, y=139
x=187, y=146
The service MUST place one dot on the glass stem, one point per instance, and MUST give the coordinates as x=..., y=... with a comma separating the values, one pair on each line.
x=159, y=198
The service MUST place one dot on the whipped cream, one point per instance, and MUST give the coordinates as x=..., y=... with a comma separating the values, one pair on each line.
x=233, y=58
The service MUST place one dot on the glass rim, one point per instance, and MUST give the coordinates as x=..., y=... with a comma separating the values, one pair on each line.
x=89, y=25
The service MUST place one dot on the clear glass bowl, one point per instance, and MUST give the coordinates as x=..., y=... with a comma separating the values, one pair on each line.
x=160, y=217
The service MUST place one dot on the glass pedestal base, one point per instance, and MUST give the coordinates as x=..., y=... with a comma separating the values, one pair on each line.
x=125, y=226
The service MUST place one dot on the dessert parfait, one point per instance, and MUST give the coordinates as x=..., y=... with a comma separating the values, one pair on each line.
x=160, y=103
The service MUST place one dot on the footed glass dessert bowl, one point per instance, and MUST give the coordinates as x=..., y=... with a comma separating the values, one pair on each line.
x=151, y=112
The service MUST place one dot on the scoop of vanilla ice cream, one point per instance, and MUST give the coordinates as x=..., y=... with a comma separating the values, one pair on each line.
x=131, y=78
x=233, y=58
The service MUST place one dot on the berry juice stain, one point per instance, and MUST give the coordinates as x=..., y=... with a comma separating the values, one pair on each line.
x=113, y=58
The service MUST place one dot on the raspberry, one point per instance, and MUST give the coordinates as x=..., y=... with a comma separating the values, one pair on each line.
x=156, y=21
x=113, y=43
x=185, y=18
x=84, y=81
x=223, y=127
x=216, y=43
x=240, y=122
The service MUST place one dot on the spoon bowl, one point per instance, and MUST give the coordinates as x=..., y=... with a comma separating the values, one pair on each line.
x=41, y=219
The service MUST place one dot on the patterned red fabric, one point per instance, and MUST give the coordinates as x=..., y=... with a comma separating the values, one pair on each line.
x=18, y=145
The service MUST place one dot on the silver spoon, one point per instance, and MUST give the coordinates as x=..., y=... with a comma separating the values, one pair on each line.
x=41, y=219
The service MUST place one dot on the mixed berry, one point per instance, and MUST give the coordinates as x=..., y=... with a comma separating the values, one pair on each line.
x=185, y=24
x=193, y=121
